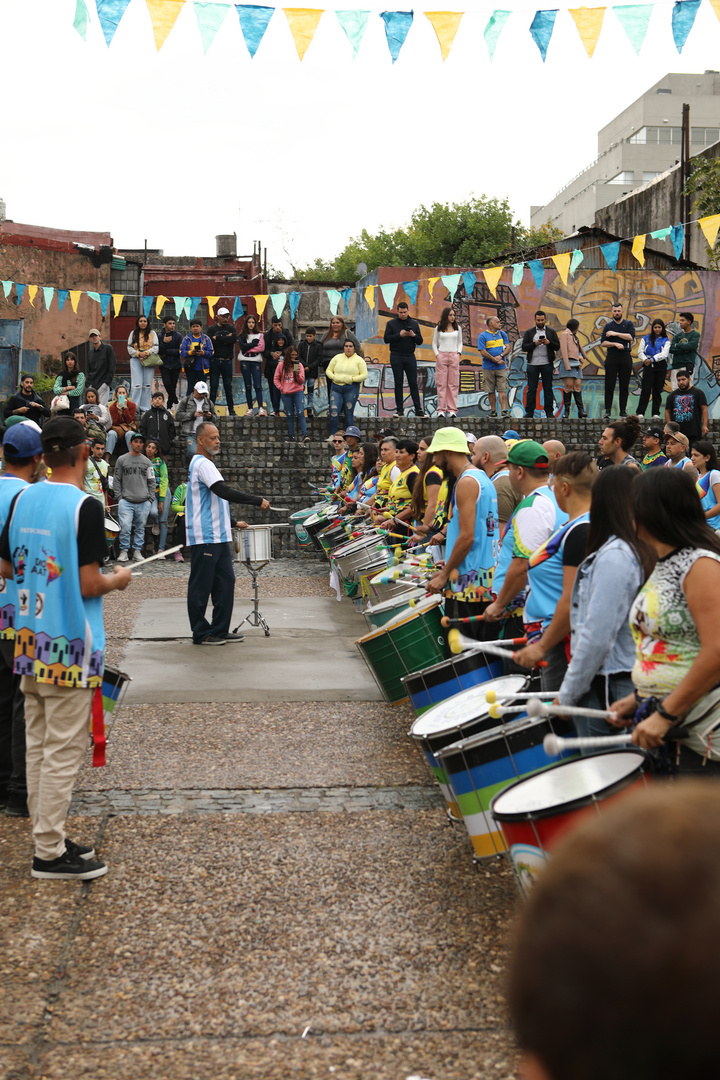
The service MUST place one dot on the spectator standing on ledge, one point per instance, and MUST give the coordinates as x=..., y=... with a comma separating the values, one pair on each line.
x=224, y=337
x=653, y=351
x=169, y=342
x=447, y=345
x=688, y=408
x=276, y=342
x=311, y=354
x=333, y=344
x=252, y=346
x=683, y=349
x=494, y=346
x=100, y=366
x=143, y=350
x=403, y=336
x=540, y=343
x=570, y=368
x=617, y=337
x=195, y=351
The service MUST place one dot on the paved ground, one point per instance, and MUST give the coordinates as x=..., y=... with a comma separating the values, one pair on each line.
x=285, y=897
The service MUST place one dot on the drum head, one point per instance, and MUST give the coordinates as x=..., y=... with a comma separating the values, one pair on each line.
x=420, y=608
x=569, y=785
x=395, y=602
x=111, y=526
x=468, y=705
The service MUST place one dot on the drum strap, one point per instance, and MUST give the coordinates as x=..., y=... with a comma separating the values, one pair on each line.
x=98, y=729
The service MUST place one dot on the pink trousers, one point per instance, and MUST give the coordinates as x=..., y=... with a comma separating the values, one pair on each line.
x=447, y=380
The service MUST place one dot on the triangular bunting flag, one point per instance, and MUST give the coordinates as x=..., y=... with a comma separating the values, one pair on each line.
x=333, y=299
x=253, y=23
x=7, y=286
x=48, y=293
x=541, y=29
x=494, y=28
x=432, y=282
x=163, y=14
x=492, y=277
x=19, y=290
x=279, y=300
x=410, y=289
x=303, y=24
x=518, y=270
x=538, y=272
x=195, y=302
x=294, y=301
x=445, y=24
x=117, y=299
x=638, y=248
x=710, y=226
x=211, y=302
x=94, y=296
x=81, y=20
x=611, y=253
x=661, y=234
x=32, y=293
x=147, y=303
x=562, y=265
x=160, y=304
x=75, y=295
x=577, y=258
x=105, y=298
x=451, y=282
x=62, y=297
x=677, y=239
x=388, y=293
x=397, y=27
x=238, y=310
x=469, y=281
x=589, y=24
x=370, y=296
x=346, y=295
x=261, y=303
x=683, y=17
x=210, y=18
x=354, y=24
x=635, y=19
x=110, y=12
x=180, y=302
x=715, y=5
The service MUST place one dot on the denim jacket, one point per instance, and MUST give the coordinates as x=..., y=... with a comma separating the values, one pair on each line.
x=606, y=584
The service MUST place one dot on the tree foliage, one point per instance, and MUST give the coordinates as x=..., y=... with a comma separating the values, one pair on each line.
x=703, y=186
x=445, y=234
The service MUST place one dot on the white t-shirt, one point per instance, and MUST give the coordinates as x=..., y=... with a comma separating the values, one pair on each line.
x=207, y=517
x=202, y=405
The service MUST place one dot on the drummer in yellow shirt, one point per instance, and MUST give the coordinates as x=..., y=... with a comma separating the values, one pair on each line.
x=398, y=507
x=388, y=473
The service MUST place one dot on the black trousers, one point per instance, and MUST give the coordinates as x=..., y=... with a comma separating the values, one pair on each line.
x=652, y=383
x=12, y=725
x=617, y=368
x=534, y=373
x=170, y=378
x=273, y=391
x=212, y=575
x=222, y=366
x=405, y=366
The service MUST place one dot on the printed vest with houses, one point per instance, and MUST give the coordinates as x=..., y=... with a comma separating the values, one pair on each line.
x=10, y=486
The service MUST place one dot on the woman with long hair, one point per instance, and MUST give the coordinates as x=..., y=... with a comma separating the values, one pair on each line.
x=122, y=414
x=426, y=490
x=333, y=344
x=143, y=348
x=398, y=507
x=653, y=352
x=447, y=345
x=252, y=346
x=570, y=367
x=674, y=623
x=289, y=378
x=348, y=372
x=362, y=459
x=70, y=381
x=705, y=460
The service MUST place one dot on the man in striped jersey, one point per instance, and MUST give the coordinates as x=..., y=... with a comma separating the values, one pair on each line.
x=209, y=531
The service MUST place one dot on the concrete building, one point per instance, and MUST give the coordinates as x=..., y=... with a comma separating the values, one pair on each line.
x=641, y=142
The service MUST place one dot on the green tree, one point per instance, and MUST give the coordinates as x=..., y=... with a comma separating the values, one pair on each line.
x=703, y=186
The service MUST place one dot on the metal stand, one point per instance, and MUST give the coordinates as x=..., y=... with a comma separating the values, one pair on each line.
x=255, y=618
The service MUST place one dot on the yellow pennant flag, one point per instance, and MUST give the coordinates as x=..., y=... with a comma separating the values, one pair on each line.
x=75, y=295
x=212, y=301
x=638, y=248
x=445, y=24
x=370, y=296
x=562, y=264
x=32, y=293
x=260, y=303
x=163, y=14
x=117, y=299
x=431, y=285
x=303, y=24
x=492, y=277
x=709, y=226
x=160, y=304
x=589, y=24
x=715, y=5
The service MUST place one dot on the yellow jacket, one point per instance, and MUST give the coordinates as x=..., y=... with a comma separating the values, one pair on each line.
x=344, y=370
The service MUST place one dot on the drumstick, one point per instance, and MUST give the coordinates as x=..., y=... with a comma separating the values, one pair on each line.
x=535, y=707
x=491, y=696
x=497, y=711
x=152, y=558
x=457, y=643
x=280, y=509
x=554, y=744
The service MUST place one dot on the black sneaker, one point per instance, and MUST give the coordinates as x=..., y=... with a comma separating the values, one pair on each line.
x=67, y=868
x=422, y=415
x=17, y=806
x=234, y=637
x=211, y=640
x=79, y=851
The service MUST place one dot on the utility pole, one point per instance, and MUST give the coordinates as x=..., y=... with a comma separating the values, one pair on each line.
x=685, y=174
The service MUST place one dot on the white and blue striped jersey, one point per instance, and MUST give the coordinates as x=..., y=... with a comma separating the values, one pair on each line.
x=207, y=517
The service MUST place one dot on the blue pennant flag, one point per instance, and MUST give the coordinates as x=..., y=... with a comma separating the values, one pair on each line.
x=683, y=17
x=469, y=281
x=195, y=302
x=147, y=303
x=19, y=290
x=541, y=29
x=294, y=301
x=397, y=26
x=237, y=311
x=62, y=295
x=677, y=239
x=110, y=12
x=538, y=272
x=105, y=298
x=253, y=23
x=411, y=290
x=346, y=294
x=611, y=253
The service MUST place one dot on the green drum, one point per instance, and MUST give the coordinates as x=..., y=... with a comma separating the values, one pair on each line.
x=377, y=615
x=332, y=537
x=411, y=641
x=298, y=519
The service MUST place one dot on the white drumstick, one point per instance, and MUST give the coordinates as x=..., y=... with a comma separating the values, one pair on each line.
x=280, y=509
x=555, y=744
x=492, y=695
x=535, y=707
x=152, y=558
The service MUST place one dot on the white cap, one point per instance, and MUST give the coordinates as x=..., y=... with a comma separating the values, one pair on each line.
x=224, y=311
x=202, y=387
x=469, y=436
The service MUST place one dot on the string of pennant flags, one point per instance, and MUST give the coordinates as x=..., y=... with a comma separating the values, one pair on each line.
x=303, y=22
x=566, y=263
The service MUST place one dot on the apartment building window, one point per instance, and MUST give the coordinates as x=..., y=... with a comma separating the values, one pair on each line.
x=651, y=136
x=703, y=136
x=622, y=178
x=649, y=176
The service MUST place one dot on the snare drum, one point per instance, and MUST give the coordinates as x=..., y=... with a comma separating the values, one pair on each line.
x=480, y=767
x=459, y=717
x=357, y=557
x=441, y=681
x=332, y=536
x=535, y=813
x=411, y=641
x=253, y=544
x=377, y=615
x=381, y=588
x=112, y=528
x=317, y=522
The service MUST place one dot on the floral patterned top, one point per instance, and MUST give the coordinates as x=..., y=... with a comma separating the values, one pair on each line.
x=665, y=634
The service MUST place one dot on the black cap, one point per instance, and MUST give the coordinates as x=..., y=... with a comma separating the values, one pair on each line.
x=62, y=433
x=136, y=435
x=656, y=431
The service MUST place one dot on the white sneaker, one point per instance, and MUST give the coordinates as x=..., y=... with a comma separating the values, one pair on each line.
x=156, y=530
x=123, y=556
x=440, y=413
x=137, y=556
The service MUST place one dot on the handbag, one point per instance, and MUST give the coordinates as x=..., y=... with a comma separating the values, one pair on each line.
x=152, y=361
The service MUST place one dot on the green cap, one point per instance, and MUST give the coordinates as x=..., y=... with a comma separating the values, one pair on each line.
x=448, y=438
x=529, y=454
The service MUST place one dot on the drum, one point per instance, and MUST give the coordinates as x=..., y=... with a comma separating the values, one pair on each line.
x=114, y=687
x=465, y=714
x=409, y=642
x=480, y=767
x=253, y=544
x=297, y=521
x=441, y=681
x=535, y=813
x=317, y=522
x=112, y=529
x=377, y=615
x=379, y=590
x=332, y=536
x=360, y=556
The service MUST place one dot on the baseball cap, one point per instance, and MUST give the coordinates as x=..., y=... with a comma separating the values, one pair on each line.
x=679, y=437
x=353, y=431
x=202, y=387
x=224, y=311
x=136, y=435
x=469, y=437
x=511, y=434
x=23, y=440
x=448, y=438
x=93, y=331
x=62, y=433
x=529, y=454
x=655, y=430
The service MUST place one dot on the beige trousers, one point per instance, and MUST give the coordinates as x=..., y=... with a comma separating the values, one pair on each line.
x=56, y=735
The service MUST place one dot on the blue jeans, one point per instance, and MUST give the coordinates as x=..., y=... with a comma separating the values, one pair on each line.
x=112, y=439
x=141, y=379
x=604, y=690
x=133, y=518
x=343, y=397
x=162, y=518
x=294, y=405
x=252, y=376
x=222, y=367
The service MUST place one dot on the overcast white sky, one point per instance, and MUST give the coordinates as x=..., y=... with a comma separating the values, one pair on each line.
x=178, y=146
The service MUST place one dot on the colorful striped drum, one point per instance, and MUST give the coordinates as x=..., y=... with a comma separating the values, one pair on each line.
x=409, y=642
x=480, y=767
x=332, y=537
x=317, y=522
x=441, y=681
x=458, y=717
x=377, y=615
